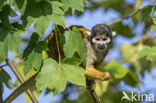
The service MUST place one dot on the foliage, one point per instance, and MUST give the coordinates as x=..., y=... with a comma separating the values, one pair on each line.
x=56, y=76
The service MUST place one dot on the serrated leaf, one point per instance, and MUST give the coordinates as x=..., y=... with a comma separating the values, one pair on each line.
x=20, y=5
x=34, y=59
x=131, y=79
x=146, y=12
x=55, y=76
x=43, y=22
x=4, y=16
x=10, y=36
x=74, y=43
x=74, y=74
x=3, y=52
x=32, y=43
x=72, y=61
x=12, y=13
x=124, y=30
x=73, y=4
x=2, y=3
x=42, y=13
x=13, y=43
x=153, y=27
x=116, y=69
x=149, y=52
x=5, y=78
x=51, y=76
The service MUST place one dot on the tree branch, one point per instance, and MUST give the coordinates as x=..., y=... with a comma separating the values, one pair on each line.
x=3, y=65
x=26, y=85
x=131, y=14
x=30, y=94
x=1, y=97
x=95, y=97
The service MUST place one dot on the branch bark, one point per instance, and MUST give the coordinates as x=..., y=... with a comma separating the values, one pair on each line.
x=3, y=65
x=26, y=85
x=95, y=97
x=1, y=97
x=30, y=94
x=131, y=14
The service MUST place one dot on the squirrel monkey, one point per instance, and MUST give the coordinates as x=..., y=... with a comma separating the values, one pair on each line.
x=97, y=42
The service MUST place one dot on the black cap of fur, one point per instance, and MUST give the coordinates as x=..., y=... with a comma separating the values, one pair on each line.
x=101, y=29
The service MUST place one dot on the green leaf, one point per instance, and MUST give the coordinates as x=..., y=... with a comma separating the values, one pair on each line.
x=72, y=61
x=13, y=43
x=116, y=69
x=3, y=52
x=43, y=22
x=149, y=52
x=11, y=39
x=51, y=76
x=74, y=74
x=74, y=43
x=2, y=3
x=32, y=43
x=153, y=27
x=146, y=12
x=154, y=20
x=4, y=16
x=73, y=4
x=20, y=5
x=12, y=13
x=42, y=13
x=124, y=30
x=55, y=76
x=5, y=78
x=34, y=58
x=131, y=79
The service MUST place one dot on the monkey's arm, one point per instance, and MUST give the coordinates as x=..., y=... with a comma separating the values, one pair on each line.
x=94, y=74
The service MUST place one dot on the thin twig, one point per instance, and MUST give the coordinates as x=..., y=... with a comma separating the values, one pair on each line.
x=30, y=94
x=3, y=65
x=58, y=49
x=1, y=97
x=131, y=14
x=25, y=86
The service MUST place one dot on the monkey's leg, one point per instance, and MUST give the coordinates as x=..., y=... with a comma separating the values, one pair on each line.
x=95, y=74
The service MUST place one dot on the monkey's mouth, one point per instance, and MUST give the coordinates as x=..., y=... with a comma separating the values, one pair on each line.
x=101, y=47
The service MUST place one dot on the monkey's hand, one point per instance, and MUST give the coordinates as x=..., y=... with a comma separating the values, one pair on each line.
x=94, y=74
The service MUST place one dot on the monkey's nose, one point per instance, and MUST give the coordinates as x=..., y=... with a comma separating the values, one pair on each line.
x=101, y=46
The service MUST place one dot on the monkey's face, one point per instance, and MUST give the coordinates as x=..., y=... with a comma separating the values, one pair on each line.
x=101, y=37
x=101, y=42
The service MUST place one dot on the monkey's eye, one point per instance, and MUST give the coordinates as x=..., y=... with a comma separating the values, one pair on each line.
x=104, y=39
x=98, y=39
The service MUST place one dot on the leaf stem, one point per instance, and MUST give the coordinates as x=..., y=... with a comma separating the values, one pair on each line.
x=58, y=49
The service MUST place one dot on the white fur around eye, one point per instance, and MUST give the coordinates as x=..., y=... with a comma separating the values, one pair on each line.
x=108, y=40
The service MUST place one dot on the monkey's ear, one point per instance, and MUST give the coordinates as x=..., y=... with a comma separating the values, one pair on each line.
x=88, y=33
x=113, y=34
